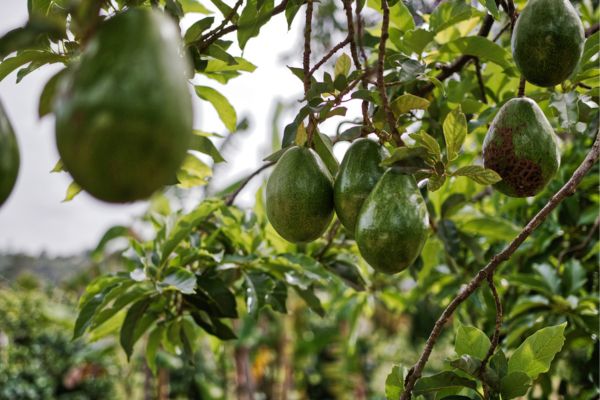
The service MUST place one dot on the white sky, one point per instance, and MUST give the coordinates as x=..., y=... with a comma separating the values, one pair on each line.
x=34, y=219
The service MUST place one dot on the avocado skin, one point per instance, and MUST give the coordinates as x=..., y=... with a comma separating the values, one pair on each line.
x=9, y=157
x=124, y=114
x=300, y=196
x=359, y=172
x=547, y=42
x=392, y=226
x=522, y=148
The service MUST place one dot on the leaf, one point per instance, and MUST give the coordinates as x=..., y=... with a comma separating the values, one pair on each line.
x=213, y=326
x=193, y=172
x=394, y=384
x=430, y=144
x=252, y=18
x=435, y=182
x=566, y=106
x=324, y=149
x=342, y=65
x=492, y=228
x=262, y=290
x=481, y=47
x=479, y=174
x=72, y=191
x=536, y=353
x=406, y=102
x=49, y=93
x=455, y=132
x=404, y=153
x=220, y=103
x=204, y=145
x=443, y=380
x=291, y=9
x=492, y=7
x=129, y=332
x=112, y=233
x=471, y=341
x=88, y=311
x=311, y=299
x=154, y=340
x=181, y=279
x=213, y=296
x=514, y=385
x=349, y=273
x=43, y=57
x=449, y=13
x=195, y=31
x=193, y=6
x=415, y=41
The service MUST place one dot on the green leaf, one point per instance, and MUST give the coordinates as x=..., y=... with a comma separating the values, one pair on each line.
x=435, y=182
x=225, y=10
x=481, y=47
x=193, y=172
x=213, y=296
x=43, y=57
x=478, y=174
x=455, y=132
x=220, y=103
x=154, y=340
x=262, y=290
x=536, y=353
x=423, y=139
x=58, y=167
x=311, y=299
x=415, y=41
x=130, y=330
x=72, y=191
x=492, y=228
x=450, y=13
x=201, y=143
x=253, y=17
x=443, y=380
x=471, y=341
x=324, y=149
x=406, y=102
x=49, y=93
x=514, y=385
x=492, y=7
x=179, y=278
x=566, y=106
x=112, y=233
x=342, y=65
x=88, y=310
x=404, y=153
x=394, y=384
x=195, y=31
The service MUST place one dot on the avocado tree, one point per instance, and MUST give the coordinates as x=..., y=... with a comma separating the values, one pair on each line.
x=399, y=237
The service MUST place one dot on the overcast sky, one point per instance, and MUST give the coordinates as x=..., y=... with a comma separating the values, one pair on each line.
x=34, y=219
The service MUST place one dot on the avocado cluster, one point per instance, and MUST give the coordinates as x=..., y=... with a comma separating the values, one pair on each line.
x=383, y=208
x=124, y=113
x=9, y=157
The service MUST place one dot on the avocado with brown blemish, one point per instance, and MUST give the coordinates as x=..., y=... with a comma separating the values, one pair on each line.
x=393, y=224
x=300, y=195
x=359, y=172
x=522, y=148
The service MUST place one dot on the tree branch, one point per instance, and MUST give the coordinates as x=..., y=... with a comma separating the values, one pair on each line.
x=327, y=56
x=567, y=190
x=389, y=115
x=231, y=198
x=480, y=80
x=499, y=315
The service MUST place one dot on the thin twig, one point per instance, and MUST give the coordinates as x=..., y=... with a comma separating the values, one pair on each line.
x=327, y=56
x=389, y=115
x=312, y=125
x=480, y=80
x=522, y=84
x=460, y=62
x=499, y=316
x=231, y=198
x=504, y=29
x=567, y=190
x=365, y=104
x=225, y=21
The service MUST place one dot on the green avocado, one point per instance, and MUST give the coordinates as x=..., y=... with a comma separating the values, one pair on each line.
x=300, y=195
x=522, y=148
x=9, y=157
x=547, y=41
x=124, y=114
x=358, y=174
x=393, y=224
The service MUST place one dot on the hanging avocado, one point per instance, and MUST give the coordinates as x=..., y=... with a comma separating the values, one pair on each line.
x=358, y=174
x=522, y=148
x=392, y=225
x=9, y=157
x=124, y=116
x=547, y=41
x=300, y=196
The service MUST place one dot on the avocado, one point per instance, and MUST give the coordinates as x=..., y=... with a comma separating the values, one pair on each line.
x=300, y=195
x=522, y=148
x=358, y=174
x=547, y=41
x=393, y=224
x=9, y=157
x=124, y=113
